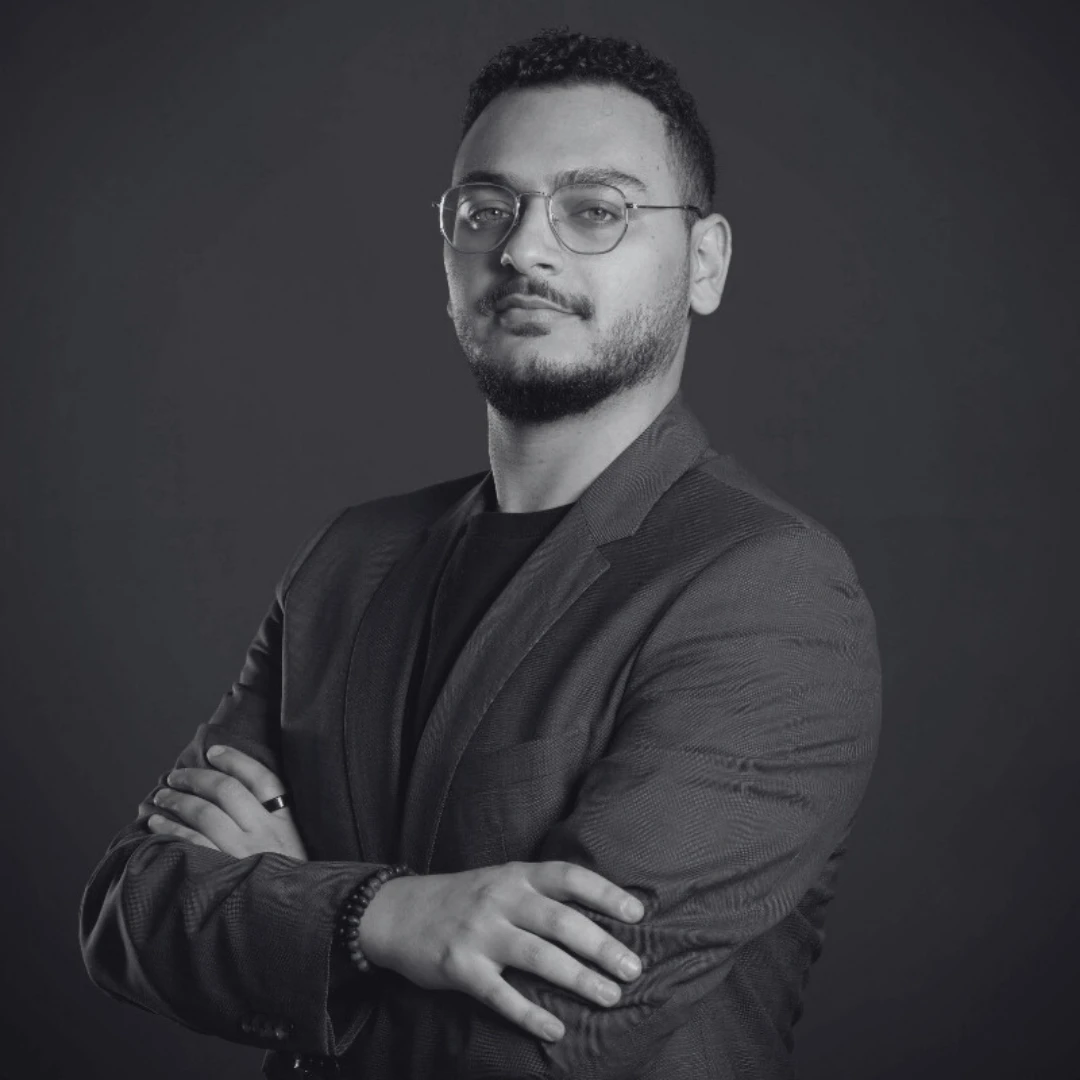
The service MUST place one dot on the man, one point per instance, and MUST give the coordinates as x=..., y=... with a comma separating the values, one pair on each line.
x=612, y=701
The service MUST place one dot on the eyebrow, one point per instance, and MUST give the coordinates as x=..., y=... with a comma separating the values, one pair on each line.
x=589, y=174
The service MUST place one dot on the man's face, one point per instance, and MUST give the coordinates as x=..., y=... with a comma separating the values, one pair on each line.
x=625, y=314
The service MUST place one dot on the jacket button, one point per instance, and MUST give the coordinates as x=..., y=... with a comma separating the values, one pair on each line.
x=281, y=1031
x=245, y=1026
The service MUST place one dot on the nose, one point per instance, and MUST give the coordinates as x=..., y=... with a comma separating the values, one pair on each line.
x=532, y=243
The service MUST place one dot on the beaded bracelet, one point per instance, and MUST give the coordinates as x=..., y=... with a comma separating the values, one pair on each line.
x=348, y=929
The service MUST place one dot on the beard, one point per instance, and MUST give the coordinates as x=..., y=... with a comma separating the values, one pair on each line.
x=640, y=346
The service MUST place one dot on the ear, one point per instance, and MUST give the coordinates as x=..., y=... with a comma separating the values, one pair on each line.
x=710, y=255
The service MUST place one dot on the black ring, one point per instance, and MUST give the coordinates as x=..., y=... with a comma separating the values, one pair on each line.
x=278, y=802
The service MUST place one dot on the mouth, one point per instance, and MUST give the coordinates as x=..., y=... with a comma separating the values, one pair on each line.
x=528, y=303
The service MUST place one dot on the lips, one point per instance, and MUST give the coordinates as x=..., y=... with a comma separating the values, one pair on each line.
x=529, y=303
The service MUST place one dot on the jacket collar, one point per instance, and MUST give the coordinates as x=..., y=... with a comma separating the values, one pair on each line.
x=616, y=502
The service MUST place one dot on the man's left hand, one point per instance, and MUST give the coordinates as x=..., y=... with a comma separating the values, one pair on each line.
x=222, y=808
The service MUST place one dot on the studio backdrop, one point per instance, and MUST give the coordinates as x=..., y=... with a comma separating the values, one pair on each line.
x=223, y=318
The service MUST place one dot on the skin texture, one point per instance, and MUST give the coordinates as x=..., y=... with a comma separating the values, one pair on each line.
x=442, y=931
x=222, y=807
x=567, y=392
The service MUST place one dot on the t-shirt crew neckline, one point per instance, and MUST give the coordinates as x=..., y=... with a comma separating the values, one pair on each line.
x=492, y=523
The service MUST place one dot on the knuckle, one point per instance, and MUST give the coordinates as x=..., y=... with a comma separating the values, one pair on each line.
x=470, y=924
x=203, y=779
x=490, y=994
x=229, y=786
x=584, y=981
x=556, y=921
x=451, y=963
x=612, y=953
x=532, y=954
x=488, y=894
x=570, y=875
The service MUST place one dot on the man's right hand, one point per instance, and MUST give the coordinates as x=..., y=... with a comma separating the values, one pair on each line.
x=458, y=932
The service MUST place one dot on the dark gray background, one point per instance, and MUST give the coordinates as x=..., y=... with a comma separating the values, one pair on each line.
x=215, y=333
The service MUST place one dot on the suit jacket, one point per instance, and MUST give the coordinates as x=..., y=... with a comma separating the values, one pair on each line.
x=679, y=689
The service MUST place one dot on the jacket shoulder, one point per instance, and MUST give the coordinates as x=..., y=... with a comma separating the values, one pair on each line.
x=719, y=504
x=742, y=495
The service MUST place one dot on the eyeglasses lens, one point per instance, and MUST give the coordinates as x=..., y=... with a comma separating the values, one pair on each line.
x=589, y=218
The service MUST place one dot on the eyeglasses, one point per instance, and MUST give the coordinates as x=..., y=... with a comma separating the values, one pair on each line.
x=587, y=219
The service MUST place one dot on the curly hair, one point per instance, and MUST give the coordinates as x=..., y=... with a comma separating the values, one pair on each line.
x=558, y=57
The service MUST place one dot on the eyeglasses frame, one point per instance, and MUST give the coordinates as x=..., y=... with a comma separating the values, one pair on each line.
x=548, y=196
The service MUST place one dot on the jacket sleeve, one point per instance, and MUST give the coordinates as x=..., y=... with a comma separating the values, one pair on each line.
x=239, y=948
x=743, y=746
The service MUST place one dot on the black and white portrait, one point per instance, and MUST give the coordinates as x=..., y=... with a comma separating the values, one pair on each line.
x=535, y=540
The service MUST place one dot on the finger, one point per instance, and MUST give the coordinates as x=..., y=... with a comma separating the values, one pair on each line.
x=160, y=824
x=563, y=880
x=262, y=782
x=532, y=953
x=223, y=791
x=568, y=881
x=202, y=816
x=486, y=984
x=553, y=921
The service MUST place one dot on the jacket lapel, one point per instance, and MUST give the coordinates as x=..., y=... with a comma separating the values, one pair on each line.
x=561, y=568
x=379, y=672
x=564, y=565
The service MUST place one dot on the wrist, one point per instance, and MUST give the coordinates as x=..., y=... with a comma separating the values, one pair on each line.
x=377, y=924
x=352, y=921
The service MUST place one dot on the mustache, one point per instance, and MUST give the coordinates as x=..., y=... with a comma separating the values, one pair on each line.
x=523, y=286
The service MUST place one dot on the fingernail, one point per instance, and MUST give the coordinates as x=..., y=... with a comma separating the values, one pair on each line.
x=634, y=908
x=215, y=750
x=553, y=1030
x=630, y=965
x=155, y=819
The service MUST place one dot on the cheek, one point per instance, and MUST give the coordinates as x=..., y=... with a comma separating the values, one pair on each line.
x=615, y=294
x=646, y=282
x=454, y=277
x=467, y=280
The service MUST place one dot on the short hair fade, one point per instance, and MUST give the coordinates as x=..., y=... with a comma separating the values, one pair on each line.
x=558, y=57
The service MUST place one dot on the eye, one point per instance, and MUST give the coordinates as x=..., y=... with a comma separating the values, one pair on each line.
x=485, y=216
x=601, y=215
x=588, y=210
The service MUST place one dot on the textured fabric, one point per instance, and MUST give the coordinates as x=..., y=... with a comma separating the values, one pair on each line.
x=679, y=689
x=488, y=550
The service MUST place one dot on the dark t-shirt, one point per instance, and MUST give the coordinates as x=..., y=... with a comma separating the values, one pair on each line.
x=488, y=551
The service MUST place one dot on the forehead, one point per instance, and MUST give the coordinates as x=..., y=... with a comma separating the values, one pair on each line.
x=535, y=133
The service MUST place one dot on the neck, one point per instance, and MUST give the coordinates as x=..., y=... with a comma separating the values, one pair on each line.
x=541, y=466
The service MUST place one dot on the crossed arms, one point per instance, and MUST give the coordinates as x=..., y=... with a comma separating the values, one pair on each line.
x=743, y=746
